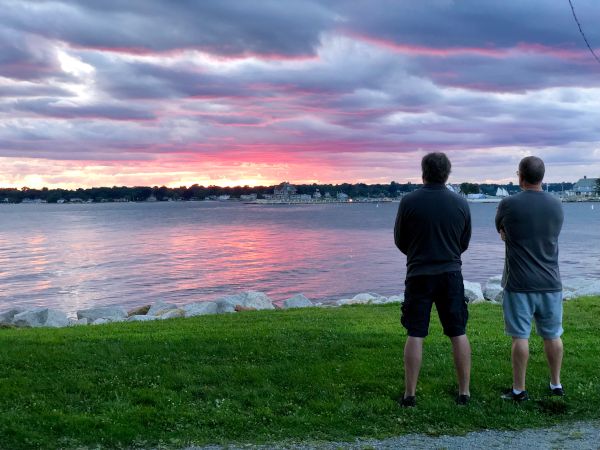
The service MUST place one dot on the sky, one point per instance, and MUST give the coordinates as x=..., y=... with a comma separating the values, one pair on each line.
x=235, y=92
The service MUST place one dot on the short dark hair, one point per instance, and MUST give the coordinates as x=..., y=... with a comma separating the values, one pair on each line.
x=436, y=167
x=532, y=169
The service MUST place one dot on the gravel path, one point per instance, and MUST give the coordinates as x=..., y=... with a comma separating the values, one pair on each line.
x=577, y=435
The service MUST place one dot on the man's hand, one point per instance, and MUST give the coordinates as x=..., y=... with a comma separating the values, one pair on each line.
x=503, y=235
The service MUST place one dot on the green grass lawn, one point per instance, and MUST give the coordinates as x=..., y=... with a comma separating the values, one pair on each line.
x=274, y=376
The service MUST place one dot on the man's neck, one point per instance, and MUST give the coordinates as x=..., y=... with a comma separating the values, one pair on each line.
x=531, y=187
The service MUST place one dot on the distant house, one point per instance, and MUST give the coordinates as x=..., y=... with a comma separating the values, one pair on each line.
x=317, y=195
x=284, y=191
x=76, y=200
x=248, y=197
x=152, y=198
x=342, y=197
x=585, y=186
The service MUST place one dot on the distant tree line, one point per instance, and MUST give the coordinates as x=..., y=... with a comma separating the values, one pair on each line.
x=197, y=192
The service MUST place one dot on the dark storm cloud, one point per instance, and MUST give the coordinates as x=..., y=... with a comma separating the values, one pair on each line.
x=47, y=108
x=26, y=57
x=224, y=27
x=472, y=23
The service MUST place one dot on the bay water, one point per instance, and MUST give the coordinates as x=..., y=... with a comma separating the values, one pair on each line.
x=83, y=255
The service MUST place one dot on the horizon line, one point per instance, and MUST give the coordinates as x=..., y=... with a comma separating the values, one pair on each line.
x=269, y=185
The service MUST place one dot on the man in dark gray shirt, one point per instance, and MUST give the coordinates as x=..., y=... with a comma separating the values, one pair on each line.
x=530, y=223
x=433, y=229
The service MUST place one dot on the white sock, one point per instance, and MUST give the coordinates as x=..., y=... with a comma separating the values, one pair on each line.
x=555, y=386
x=516, y=391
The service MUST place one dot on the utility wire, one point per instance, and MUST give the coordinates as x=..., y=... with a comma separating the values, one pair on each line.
x=582, y=33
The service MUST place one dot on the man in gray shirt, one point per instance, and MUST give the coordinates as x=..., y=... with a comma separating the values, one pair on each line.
x=529, y=223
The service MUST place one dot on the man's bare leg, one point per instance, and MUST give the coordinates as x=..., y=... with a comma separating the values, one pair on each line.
x=554, y=354
x=413, y=354
x=519, y=356
x=461, y=350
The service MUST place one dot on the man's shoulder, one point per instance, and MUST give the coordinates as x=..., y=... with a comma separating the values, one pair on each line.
x=411, y=196
x=553, y=199
x=511, y=199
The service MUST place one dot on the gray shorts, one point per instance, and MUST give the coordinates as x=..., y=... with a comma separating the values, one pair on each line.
x=545, y=307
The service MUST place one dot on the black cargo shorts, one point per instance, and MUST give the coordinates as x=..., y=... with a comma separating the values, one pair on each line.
x=447, y=291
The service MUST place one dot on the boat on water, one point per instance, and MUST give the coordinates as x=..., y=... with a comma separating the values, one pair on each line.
x=483, y=198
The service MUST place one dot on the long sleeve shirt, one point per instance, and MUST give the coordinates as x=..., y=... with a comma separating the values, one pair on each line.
x=433, y=229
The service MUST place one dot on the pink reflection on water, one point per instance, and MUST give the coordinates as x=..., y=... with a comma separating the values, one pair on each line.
x=238, y=255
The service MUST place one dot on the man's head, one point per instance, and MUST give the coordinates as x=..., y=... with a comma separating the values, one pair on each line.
x=436, y=168
x=531, y=170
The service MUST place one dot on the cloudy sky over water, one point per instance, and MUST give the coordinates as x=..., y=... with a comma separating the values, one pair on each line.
x=226, y=92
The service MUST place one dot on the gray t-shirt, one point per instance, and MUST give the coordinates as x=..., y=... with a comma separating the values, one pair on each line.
x=532, y=221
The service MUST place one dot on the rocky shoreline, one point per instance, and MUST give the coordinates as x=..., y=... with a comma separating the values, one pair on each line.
x=489, y=292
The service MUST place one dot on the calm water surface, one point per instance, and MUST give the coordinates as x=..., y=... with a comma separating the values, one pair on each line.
x=76, y=256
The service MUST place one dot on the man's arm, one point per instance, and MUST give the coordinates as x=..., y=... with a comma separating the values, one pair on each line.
x=500, y=212
x=399, y=235
x=466, y=234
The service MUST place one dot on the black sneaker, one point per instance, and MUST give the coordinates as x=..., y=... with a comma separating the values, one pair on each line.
x=408, y=402
x=557, y=392
x=510, y=395
x=463, y=399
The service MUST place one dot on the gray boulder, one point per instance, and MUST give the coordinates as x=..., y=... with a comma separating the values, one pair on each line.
x=297, y=301
x=257, y=300
x=228, y=303
x=591, y=289
x=580, y=287
x=139, y=311
x=173, y=314
x=395, y=299
x=362, y=299
x=100, y=321
x=200, y=309
x=77, y=322
x=160, y=308
x=473, y=292
x=41, y=317
x=6, y=317
x=493, y=290
x=110, y=313
x=249, y=299
x=142, y=318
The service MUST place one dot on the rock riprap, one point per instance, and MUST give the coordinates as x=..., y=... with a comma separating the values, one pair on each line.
x=109, y=313
x=41, y=317
x=6, y=317
x=250, y=301
x=200, y=309
x=473, y=292
x=493, y=290
x=297, y=301
x=580, y=287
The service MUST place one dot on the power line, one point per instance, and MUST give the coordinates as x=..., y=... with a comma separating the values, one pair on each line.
x=582, y=33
